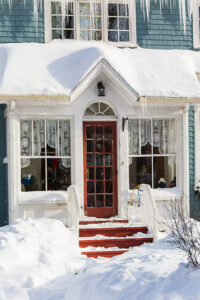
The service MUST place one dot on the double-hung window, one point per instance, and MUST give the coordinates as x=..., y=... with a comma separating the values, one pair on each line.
x=152, y=152
x=88, y=20
x=45, y=154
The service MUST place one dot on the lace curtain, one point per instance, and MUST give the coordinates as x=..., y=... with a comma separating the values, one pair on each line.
x=33, y=139
x=165, y=139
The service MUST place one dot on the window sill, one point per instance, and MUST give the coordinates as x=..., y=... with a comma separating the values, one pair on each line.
x=161, y=194
x=49, y=197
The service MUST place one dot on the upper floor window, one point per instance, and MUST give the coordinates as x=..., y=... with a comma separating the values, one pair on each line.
x=88, y=20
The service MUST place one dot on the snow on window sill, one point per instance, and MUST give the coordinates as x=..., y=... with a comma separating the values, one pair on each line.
x=43, y=197
x=161, y=194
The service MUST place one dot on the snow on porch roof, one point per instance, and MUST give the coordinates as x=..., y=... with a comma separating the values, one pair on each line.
x=58, y=67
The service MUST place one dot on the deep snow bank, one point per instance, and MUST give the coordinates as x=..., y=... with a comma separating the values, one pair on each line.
x=149, y=272
x=33, y=252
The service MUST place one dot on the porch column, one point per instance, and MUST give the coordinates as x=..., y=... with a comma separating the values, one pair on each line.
x=186, y=156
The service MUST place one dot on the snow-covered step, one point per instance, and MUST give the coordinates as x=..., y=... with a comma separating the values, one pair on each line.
x=100, y=221
x=104, y=253
x=112, y=231
x=115, y=242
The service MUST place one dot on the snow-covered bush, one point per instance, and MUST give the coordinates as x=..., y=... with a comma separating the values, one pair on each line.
x=184, y=231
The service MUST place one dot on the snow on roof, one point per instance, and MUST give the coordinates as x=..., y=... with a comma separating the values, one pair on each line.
x=58, y=67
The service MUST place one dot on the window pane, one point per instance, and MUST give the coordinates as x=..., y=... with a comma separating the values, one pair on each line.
x=33, y=174
x=112, y=9
x=58, y=174
x=133, y=136
x=26, y=137
x=56, y=8
x=164, y=171
x=84, y=9
x=97, y=23
x=145, y=129
x=112, y=23
x=69, y=34
x=52, y=137
x=64, y=138
x=85, y=35
x=84, y=22
x=57, y=34
x=158, y=146
x=113, y=36
x=97, y=9
x=124, y=36
x=140, y=171
x=38, y=137
x=123, y=23
x=123, y=10
x=56, y=21
x=69, y=8
x=69, y=22
x=170, y=136
x=97, y=35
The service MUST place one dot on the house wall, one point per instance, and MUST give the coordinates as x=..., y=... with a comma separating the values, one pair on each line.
x=17, y=24
x=163, y=30
x=3, y=170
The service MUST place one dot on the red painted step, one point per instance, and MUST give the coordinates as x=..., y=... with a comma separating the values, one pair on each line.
x=112, y=231
x=109, y=253
x=102, y=221
x=120, y=243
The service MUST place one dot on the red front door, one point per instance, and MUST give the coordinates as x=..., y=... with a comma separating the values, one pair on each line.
x=100, y=169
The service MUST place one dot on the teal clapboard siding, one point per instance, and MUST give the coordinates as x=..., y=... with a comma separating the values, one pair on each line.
x=163, y=30
x=17, y=24
x=194, y=199
x=3, y=170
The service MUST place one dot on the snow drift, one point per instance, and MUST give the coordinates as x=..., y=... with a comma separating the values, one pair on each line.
x=32, y=252
x=58, y=67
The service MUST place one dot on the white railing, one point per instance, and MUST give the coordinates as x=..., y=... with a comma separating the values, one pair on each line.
x=149, y=213
x=73, y=198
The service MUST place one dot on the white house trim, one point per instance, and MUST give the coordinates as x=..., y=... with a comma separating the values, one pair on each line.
x=196, y=39
x=103, y=67
x=197, y=143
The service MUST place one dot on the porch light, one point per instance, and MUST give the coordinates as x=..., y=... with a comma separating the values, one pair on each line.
x=101, y=89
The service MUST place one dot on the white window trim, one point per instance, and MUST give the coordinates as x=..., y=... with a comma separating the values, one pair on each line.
x=32, y=118
x=132, y=22
x=196, y=16
x=152, y=155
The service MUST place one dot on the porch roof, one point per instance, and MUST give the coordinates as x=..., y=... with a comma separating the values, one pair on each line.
x=54, y=70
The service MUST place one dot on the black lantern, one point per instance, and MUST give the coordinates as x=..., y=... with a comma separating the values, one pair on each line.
x=101, y=89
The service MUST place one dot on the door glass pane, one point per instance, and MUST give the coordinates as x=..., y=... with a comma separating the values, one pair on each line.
x=108, y=173
x=109, y=200
x=90, y=187
x=140, y=171
x=100, y=200
x=108, y=159
x=108, y=146
x=99, y=160
x=99, y=146
x=99, y=132
x=90, y=146
x=90, y=160
x=146, y=143
x=109, y=187
x=90, y=132
x=108, y=132
x=90, y=173
x=99, y=173
x=100, y=187
x=90, y=201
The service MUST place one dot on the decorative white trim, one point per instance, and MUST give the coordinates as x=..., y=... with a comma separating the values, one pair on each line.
x=132, y=21
x=196, y=40
x=197, y=143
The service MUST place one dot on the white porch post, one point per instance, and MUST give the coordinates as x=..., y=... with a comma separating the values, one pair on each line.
x=186, y=157
x=11, y=127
